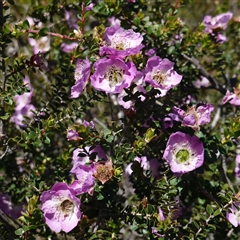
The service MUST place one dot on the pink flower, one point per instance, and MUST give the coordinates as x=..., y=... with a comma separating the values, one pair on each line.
x=40, y=45
x=184, y=153
x=68, y=47
x=237, y=168
x=85, y=181
x=160, y=74
x=61, y=208
x=139, y=89
x=113, y=75
x=114, y=21
x=89, y=7
x=8, y=208
x=151, y=52
x=72, y=18
x=72, y=135
x=151, y=165
x=215, y=24
x=234, y=215
x=232, y=98
x=120, y=42
x=203, y=82
x=82, y=158
x=23, y=107
x=81, y=75
x=87, y=155
x=88, y=124
x=160, y=214
x=195, y=116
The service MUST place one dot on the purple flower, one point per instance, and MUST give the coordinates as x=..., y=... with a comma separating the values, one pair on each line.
x=8, y=208
x=81, y=75
x=88, y=124
x=168, y=120
x=160, y=74
x=237, y=168
x=85, y=181
x=234, y=216
x=184, y=153
x=72, y=19
x=89, y=7
x=34, y=22
x=139, y=88
x=72, y=135
x=83, y=156
x=61, y=208
x=221, y=38
x=160, y=214
x=40, y=45
x=120, y=42
x=232, y=98
x=114, y=21
x=151, y=52
x=194, y=117
x=23, y=107
x=68, y=47
x=216, y=23
x=113, y=75
x=148, y=165
x=203, y=82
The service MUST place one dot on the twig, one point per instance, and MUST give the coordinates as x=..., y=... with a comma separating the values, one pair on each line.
x=212, y=216
x=224, y=168
x=5, y=152
x=204, y=72
x=10, y=225
x=53, y=34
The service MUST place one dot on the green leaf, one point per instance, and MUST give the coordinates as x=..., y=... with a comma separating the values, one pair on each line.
x=43, y=32
x=5, y=117
x=209, y=209
x=217, y=212
x=19, y=231
x=26, y=24
x=32, y=135
x=47, y=140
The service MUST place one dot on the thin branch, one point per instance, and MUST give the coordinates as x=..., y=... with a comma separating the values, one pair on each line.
x=204, y=72
x=5, y=152
x=53, y=34
x=224, y=168
x=10, y=225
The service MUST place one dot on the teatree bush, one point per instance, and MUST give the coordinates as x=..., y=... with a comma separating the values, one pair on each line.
x=94, y=161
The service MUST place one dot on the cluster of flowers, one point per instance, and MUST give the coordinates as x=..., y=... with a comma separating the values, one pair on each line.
x=60, y=205
x=112, y=74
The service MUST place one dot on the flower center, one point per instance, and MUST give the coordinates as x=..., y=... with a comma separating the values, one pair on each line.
x=159, y=76
x=120, y=46
x=182, y=156
x=78, y=72
x=67, y=207
x=114, y=75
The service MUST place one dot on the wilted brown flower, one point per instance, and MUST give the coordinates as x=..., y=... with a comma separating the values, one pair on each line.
x=104, y=171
